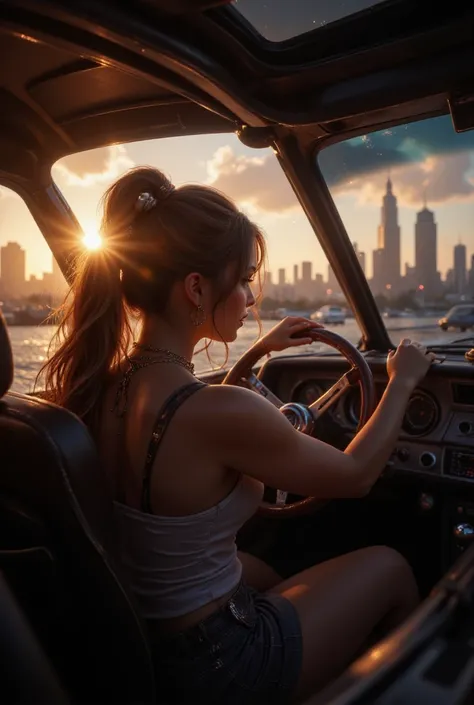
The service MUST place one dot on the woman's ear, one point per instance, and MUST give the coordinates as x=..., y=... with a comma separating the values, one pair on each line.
x=194, y=288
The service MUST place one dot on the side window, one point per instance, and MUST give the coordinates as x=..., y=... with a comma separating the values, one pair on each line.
x=298, y=281
x=31, y=283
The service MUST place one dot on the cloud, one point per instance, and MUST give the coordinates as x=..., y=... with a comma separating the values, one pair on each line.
x=426, y=156
x=441, y=179
x=93, y=167
x=258, y=181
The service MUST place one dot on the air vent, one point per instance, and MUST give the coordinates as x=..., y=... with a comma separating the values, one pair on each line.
x=463, y=394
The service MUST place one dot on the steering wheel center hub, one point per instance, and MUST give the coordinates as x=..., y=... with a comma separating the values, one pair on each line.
x=299, y=416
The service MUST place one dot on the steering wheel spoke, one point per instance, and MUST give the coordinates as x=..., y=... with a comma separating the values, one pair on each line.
x=252, y=382
x=330, y=397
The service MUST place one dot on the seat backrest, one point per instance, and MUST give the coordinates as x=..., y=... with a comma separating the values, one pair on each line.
x=58, y=538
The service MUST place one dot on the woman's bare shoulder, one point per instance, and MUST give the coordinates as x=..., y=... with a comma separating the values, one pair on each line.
x=227, y=399
x=236, y=411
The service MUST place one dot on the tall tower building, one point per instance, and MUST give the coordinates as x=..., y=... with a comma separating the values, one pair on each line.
x=426, y=251
x=459, y=269
x=306, y=283
x=379, y=279
x=13, y=270
x=307, y=271
x=389, y=240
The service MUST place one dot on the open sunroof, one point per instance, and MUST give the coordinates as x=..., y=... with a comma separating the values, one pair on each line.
x=278, y=20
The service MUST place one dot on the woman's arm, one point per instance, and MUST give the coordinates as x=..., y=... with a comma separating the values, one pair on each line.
x=252, y=436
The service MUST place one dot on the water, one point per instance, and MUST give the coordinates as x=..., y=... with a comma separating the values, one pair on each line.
x=30, y=344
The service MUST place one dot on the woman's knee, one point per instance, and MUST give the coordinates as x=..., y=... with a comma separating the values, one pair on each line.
x=388, y=558
x=393, y=570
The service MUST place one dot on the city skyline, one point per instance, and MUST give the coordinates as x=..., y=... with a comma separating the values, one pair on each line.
x=255, y=180
x=14, y=283
x=387, y=275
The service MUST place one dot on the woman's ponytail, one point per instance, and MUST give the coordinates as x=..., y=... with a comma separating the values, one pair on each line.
x=93, y=334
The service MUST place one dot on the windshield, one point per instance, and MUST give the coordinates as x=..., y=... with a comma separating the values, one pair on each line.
x=425, y=164
x=298, y=279
x=406, y=197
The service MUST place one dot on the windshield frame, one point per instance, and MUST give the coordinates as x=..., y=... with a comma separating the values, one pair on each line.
x=307, y=181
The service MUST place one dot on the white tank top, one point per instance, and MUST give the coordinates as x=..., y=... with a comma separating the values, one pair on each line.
x=178, y=564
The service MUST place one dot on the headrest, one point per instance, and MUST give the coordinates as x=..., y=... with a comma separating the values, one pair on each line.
x=6, y=358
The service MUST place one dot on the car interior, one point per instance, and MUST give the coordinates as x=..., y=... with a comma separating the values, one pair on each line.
x=75, y=79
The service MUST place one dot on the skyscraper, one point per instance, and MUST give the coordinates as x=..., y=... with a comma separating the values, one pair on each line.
x=306, y=284
x=13, y=270
x=378, y=272
x=307, y=271
x=459, y=269
x=389, y=241
x=425, y=252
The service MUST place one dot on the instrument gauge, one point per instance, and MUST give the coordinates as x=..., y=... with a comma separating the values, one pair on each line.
x=352, y=406
x=421, y=415
x=307, y=392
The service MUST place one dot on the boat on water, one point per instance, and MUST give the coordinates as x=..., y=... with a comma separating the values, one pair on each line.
x=30, y=316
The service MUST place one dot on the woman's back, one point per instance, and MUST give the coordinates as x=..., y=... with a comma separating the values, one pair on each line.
x=188, y=476
x=180, y=554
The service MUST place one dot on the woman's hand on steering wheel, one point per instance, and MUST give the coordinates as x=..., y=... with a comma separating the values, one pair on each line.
x=289, y=333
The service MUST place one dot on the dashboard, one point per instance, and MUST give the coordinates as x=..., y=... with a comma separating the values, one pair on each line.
x=437, y=435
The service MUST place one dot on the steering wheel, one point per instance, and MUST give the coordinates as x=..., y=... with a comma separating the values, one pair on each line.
x=303, y=417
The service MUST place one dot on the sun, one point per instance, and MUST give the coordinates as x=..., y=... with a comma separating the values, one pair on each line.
x=92, y=240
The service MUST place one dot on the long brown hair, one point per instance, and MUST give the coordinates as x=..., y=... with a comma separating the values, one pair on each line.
x=190, y=229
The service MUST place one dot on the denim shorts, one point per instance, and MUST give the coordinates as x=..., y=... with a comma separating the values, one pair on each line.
x=248, y=652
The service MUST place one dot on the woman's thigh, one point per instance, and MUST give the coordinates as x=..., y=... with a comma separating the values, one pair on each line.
x=341, y=602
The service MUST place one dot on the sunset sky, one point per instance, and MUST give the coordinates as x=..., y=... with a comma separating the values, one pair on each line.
x=256, y=181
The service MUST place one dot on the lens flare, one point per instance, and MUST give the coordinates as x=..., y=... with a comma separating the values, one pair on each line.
x=92, y=240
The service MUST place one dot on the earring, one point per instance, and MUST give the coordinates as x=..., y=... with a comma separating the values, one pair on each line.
x=198, y=316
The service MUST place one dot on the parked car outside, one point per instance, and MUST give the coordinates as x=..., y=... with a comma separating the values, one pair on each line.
x=461, y=317
x=333, y=315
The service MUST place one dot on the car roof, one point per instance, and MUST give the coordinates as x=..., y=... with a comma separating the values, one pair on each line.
x=78, y=78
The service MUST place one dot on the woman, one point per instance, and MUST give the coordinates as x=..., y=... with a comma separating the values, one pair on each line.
x=187, y=462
